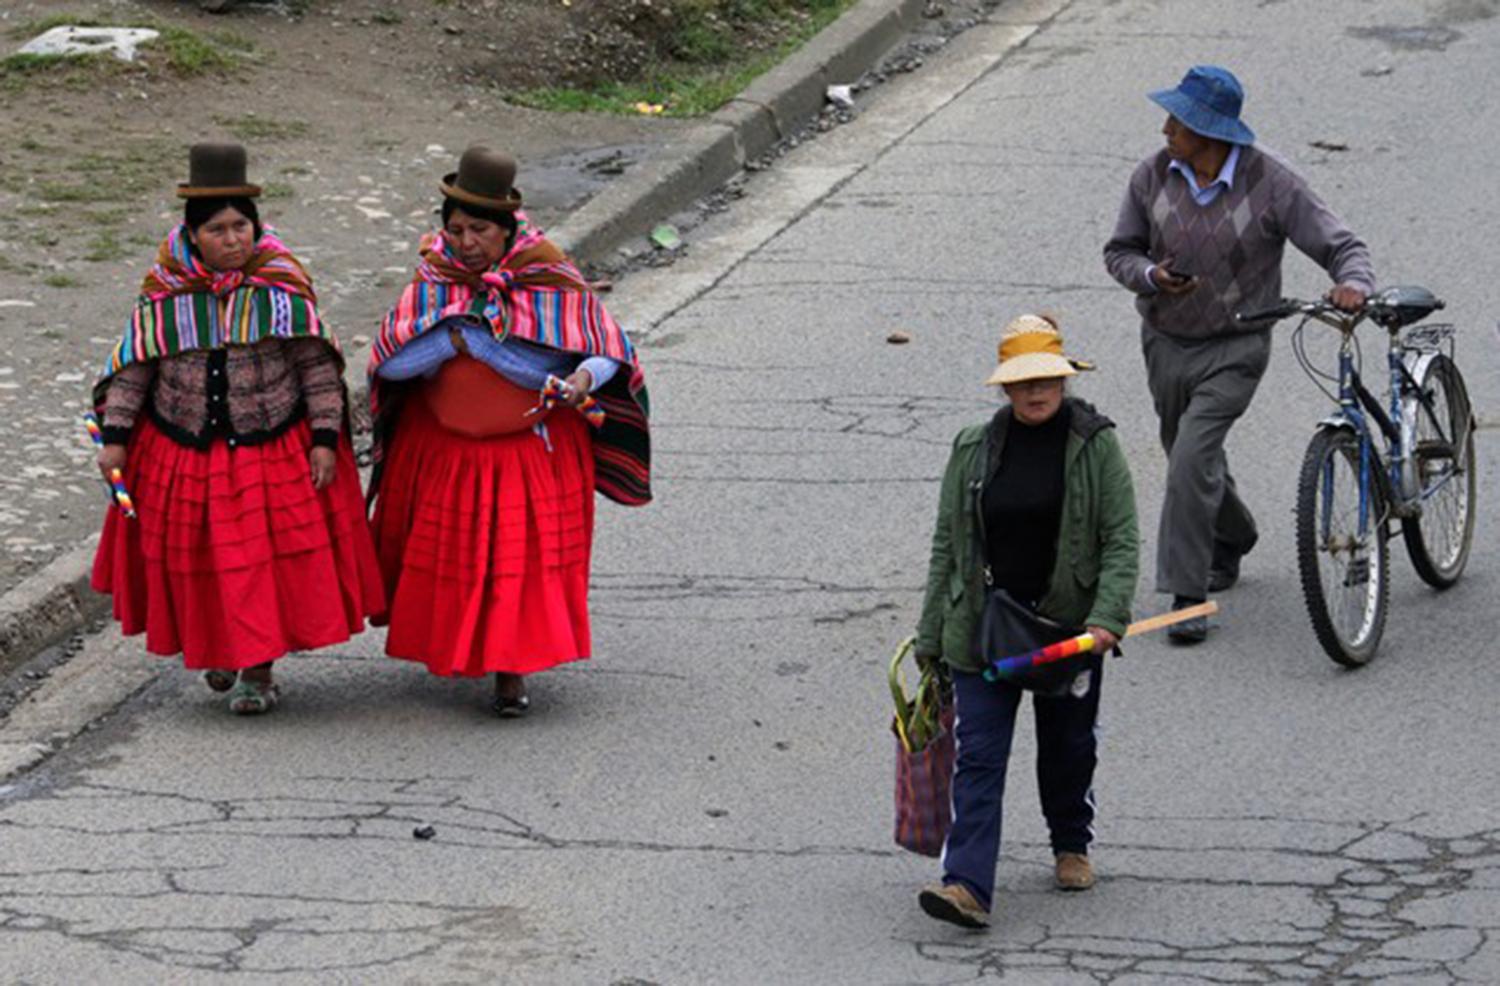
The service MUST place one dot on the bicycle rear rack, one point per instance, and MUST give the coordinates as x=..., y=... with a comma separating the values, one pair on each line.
x=1430, y=337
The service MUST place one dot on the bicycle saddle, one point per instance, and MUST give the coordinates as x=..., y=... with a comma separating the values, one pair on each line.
x=1397, y=307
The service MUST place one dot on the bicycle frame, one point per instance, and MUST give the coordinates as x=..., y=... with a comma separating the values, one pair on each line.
x=1356, y=407
x=1391, y=468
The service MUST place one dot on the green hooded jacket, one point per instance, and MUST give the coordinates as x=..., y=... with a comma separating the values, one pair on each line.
x=1093, y=581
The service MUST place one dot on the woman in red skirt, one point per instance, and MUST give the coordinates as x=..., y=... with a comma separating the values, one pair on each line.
x=223, y=407
x=504, y=396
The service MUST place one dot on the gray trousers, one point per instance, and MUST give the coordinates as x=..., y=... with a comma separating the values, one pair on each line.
x=1200, y=388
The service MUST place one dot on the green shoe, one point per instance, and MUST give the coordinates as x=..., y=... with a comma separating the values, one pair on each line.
x=253, y=698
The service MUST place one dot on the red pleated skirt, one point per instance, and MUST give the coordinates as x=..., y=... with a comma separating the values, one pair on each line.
x=485, y=544
x=234, y=559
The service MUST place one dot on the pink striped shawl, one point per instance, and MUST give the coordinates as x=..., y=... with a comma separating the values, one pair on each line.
x=537, y=294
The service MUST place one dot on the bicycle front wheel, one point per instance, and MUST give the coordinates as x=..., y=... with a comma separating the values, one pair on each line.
x=1342, y=553
x=1438, y=540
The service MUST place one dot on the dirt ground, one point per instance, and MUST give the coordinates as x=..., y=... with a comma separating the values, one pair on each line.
x=350, y=121
x=352, y=110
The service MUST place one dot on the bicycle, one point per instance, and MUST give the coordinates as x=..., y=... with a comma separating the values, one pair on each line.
x=1350, y=490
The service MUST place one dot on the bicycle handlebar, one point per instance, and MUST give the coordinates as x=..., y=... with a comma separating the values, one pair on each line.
x=1323, y=310
x=1285, y=307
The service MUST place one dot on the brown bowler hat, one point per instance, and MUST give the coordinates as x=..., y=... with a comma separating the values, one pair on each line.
x=216, y=171
x=484, y=178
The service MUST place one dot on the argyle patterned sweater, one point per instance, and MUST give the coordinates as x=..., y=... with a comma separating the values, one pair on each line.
x=1233, y=245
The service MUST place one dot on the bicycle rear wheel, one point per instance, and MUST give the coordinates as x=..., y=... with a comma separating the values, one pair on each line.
x=1439, y=539
x=1343, y=558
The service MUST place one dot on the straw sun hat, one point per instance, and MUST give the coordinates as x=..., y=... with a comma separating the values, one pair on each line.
x=1031, y=349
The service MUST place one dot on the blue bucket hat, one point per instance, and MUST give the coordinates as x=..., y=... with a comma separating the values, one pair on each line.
x=1208, y=101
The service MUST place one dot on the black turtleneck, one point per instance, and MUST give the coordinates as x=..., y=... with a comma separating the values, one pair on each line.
x=1022, y=506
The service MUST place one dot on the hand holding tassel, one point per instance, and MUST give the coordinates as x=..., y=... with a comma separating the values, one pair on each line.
x=559, y=391
x=111, y=466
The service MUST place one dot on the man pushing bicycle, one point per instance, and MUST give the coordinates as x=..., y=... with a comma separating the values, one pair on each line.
x=1201, y=234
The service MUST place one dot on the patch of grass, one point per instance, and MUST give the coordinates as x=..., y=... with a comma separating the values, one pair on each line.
x=277, y=190
x=250, y=128
x=57, y=191
x=105, y=246
x=20, y=73
x=296, y=169
x=107, y=217
x=190, y=53
x=61, y=281
x=19, y=70
x=232, y=41
x=713, y=67
x=129, y=169
x=184, y=51
x=31, y=29
x=387, y=17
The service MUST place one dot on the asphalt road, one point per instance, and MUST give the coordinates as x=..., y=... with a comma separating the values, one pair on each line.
x=709, y=800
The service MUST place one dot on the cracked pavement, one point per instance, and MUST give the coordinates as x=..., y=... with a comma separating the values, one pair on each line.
x=709, y=800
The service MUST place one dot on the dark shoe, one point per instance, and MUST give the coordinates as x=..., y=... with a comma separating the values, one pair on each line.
x=511, y=701
x=1073, y=871
x=220, y=681
x=1193, y=631
x=1224, y=571
x=955, y=904
x=512, y=708
x=1224, y=574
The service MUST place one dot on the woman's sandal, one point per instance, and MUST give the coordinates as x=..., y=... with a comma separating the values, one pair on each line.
x=220, y=681
x=511, y=706
x=253, y=698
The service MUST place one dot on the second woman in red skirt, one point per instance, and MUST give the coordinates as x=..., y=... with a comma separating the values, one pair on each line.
x=504, y=396
x=222, y=414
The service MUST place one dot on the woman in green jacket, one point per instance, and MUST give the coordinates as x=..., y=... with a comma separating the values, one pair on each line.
x=1036, y=505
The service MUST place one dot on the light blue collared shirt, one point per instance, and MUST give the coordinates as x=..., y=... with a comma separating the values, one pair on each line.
x=1204, y=195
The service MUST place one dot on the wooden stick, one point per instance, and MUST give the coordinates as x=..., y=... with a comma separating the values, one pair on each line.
x=1084, y=642
x=1175, y=616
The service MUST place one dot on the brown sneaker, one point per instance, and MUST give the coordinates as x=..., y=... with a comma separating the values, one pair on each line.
x=955, y=904
x=1073, y=871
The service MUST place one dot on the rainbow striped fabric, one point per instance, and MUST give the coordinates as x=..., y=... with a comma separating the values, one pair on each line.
x=185, y=305
x=534, y=293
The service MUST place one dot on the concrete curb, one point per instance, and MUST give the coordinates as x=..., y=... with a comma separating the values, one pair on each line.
x=48, y=605
x=57, y=600
x=772, y=108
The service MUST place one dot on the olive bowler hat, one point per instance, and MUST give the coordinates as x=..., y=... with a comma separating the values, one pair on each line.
x=484, y=178
x=1031, y=349
x=216, y=171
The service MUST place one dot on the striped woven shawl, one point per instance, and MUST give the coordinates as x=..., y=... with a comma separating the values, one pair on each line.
x=534, y=293
x=185, y=305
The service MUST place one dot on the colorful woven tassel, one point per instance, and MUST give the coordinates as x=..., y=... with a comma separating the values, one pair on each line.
x=1000, y=667
x=116, y=478
x=122, y=497
x=556, y=392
